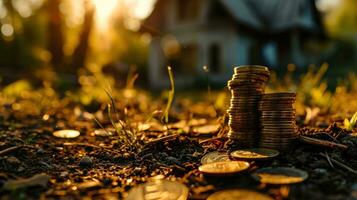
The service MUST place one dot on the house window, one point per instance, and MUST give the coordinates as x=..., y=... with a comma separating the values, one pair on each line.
x=188, y=9
x=215, y=58
x=185, y=62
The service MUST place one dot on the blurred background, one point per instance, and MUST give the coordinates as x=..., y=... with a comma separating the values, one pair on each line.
x=69, y=45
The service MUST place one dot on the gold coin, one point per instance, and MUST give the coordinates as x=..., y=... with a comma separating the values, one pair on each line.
x=214, y=157
x=238, y=194
x=224, y=168
x=66, y=134
x=280, y=175
x=159, y=190
x=251, y=67
x=255, y=154
x=280, y=94
x=103, y=132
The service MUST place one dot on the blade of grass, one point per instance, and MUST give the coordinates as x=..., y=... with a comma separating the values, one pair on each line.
x=112, y=103
x=209, y=91
x=100, y=125
x=354, y=119
x=165, y=117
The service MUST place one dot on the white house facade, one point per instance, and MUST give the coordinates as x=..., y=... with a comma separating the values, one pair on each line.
x=221, y=34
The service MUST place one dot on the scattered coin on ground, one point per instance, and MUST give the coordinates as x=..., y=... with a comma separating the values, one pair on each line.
x=214, y=157
x=207, y=129
x=255, y=154
x=159, y=190
x=238, y=194
x=224, y=168
x=280, y=175
x=66, y=134
x=103, y=132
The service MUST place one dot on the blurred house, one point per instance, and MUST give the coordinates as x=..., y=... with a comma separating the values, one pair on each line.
x=221, y=34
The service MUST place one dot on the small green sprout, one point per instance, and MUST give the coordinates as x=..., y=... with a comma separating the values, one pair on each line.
x=126, y=135
x=165, y=116
x=350, y=124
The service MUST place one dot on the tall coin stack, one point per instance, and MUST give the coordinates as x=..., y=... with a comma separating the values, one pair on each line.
x=278, y=121
x=247, y=87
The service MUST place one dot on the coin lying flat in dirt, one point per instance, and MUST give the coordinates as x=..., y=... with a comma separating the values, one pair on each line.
x=214, y=157
x=66, y=134
x=206, y=129
x=224, y=168
x=103, y=132
x=159, y=190
x=255, y=154
x=238, y=194
x=280, y=175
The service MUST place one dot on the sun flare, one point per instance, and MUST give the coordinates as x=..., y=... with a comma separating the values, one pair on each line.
x=130, y=9
x=103, y=12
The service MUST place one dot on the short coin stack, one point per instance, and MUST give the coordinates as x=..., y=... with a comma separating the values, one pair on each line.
x=278, y=120
x=247, y=87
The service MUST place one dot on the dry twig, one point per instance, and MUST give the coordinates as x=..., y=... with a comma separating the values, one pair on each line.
x=82, y=144
x=323, y=143
x=9, y=150
x=329, y=160
x=340, y=164
x=14, y=148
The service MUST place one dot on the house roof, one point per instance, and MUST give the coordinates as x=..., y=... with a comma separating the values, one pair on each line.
x=271, y=16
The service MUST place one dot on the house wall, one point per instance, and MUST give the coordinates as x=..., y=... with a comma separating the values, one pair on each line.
x=203, y=35
x=237, y=47
x=232, y=53
x=156, y=62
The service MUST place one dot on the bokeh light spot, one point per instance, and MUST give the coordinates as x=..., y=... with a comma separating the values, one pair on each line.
x=7, y=30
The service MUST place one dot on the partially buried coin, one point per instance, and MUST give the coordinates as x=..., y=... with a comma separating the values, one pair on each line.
x=238, y=194
x=255, y=154
x=280, y=175
x=214, y=156
x=224, y=168
x=103, y=132
x=159, y=190
x=66, y=134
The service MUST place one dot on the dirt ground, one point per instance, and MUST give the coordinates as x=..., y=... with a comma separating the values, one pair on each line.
x=102, y=167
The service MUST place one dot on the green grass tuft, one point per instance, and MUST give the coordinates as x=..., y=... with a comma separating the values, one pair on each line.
x=350, y=124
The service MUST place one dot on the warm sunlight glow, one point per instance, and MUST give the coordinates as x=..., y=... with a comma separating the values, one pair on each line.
x=131, y=10
x=142, y=8
x=104, y=11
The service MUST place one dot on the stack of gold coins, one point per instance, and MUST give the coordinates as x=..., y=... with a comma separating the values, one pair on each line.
x=278, y=121
x=247, y=87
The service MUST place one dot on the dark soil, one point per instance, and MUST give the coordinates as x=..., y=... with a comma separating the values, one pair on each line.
x=97, y=167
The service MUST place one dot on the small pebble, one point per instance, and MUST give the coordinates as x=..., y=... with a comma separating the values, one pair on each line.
x=20, y=169
x=320, y=171
x=64, y=174
x=40, y=151
x=354, y=187
x=13, y=161
x=86, y=162
x=107, y=181
x=137, y=170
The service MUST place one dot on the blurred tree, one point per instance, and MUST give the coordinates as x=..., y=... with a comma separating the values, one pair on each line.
x=80, y=53
x=66, y=35
x=55, y=36
x=21, y=38
x=342, y=21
